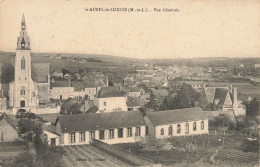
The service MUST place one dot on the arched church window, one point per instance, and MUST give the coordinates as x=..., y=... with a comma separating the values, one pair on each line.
x=187, y=128
x=202, y=125
x=178, y=129
x=162, y=131
x=22, y=91
x=23, y=63
x=194, y=126
x=170, y=130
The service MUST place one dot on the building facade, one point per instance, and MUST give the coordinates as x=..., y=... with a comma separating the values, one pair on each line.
x=181, y=122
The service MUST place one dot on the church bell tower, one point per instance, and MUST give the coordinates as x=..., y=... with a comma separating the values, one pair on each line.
x=24, y=89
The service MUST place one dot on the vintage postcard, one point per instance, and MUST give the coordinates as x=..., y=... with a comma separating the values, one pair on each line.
x=114, y=83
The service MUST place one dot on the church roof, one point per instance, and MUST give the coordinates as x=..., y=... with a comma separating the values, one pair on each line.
x=98, y=121
x=175, y=116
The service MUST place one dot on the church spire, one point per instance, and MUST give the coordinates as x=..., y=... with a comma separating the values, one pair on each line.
x=23, y=23
x=23, y=41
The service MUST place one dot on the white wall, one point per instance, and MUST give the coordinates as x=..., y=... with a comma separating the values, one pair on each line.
x=115, y=140
x=174, y=127
x=66, y=92
x=112, y=104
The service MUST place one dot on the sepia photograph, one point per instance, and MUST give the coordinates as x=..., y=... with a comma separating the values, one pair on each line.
x=127, y=83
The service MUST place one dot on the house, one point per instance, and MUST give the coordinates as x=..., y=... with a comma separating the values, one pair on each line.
x=61, y=90
x=57, y=74
x=8, y=131
x=133, y=91
x=180, y=122
x=111, y=128
x=160, y=92
x=50, y=135
x=133, y=103
x=223, y=99
x=110, y=99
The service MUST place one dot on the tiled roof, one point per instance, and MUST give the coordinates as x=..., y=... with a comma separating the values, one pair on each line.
x=98, y=121
x=49, y=117
x=221, y=94
x=133, y=102
x=110, y=92
x=9, y=120
x=61, y=83
x=40, y=72
x=160, y=92
x=132, y=89
x=210, y=93
x=175, y=116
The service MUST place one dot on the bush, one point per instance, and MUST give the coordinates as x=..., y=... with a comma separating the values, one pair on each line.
x=250, y=146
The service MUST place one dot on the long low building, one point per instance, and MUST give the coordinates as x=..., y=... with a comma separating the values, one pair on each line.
x=180, y=122
x=125, y=126
x=111, y=128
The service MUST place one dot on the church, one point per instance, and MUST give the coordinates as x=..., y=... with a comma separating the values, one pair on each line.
x=30, y=87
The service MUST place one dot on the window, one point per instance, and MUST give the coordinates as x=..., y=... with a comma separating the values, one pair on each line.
x=72, y=138
x=101, y=135
x=105, y=103
x=111, y=133
x=187, y=128
x=60, y=97
x=120, y=133
x=129, y=132
x=146, y=130
x=82, y=136
x=178, y=129
x=23, y=63
x=137, y=131
x=22, y=91
x=170, y=130
x=92, y=134
x=202, y=125
x=162, y=132
x=22, y=103
x=194, y=126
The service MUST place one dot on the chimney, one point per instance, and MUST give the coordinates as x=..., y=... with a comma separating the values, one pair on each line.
x=235, y=105
x=69, y=83
x=230, y=88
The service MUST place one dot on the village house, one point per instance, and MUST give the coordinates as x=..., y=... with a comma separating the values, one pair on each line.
x=222, y=99
x=110, y=99
x=133, y=91
x=57, y=74
x=180, y=122
x=8, y=131
x=111, y=128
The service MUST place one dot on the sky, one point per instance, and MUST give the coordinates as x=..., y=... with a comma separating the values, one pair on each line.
x=224, y=28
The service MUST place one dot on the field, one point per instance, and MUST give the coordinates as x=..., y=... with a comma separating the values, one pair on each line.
x=102, y=63
x=228, y=150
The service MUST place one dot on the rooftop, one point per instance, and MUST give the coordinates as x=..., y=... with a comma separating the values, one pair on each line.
x=99, y=121
x=174, y=116
x=110, y=92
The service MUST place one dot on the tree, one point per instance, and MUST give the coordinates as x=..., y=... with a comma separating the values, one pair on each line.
x=64, y=71
x=252, y=108
x=7, y=74
x=24, y=159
